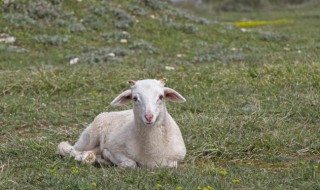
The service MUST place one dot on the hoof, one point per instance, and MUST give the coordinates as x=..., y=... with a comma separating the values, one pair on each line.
x=89, y=157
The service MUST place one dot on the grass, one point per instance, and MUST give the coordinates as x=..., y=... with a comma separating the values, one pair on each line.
x=251, y=120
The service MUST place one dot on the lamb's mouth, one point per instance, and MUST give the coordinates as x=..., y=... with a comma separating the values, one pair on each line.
x=149, y=123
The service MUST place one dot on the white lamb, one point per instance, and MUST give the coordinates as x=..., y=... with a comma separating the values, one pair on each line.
x=144, y=136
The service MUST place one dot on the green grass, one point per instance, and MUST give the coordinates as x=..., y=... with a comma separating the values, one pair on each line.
x=251, y=120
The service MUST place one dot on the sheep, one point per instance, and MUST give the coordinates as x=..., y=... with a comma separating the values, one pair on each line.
x=145, y=136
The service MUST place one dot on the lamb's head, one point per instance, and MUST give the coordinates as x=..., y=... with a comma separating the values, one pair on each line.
x=148, y=98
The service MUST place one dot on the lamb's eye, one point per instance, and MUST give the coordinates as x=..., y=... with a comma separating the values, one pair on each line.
x=135, y=99
x=160, y=97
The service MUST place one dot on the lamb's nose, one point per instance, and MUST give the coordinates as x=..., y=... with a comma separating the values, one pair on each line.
x=148, y=117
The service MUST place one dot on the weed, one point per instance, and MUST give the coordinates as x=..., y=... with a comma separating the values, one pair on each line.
x=154, y=4
x=93, y=22
x=103, y=55
x=116, y=37
x=188, y=28
x=43, y=10
x=51, y=40
x=272, y=37
x=124, y=20
x=136, y=10
x=19, y=19
x=12, y=49
x=143, y=46
x=77, y=27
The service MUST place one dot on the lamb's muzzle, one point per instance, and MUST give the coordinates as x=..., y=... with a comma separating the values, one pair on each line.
x=149, y=117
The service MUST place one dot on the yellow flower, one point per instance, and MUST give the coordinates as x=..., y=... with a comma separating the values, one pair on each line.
x=179, y=188
x=53, y=171
x=159, y=186
x=302, y=163
x=223, y=173
x=236, y=181
x=260, y=23
x=93, y=184
x=74, y=170
x=208, y=188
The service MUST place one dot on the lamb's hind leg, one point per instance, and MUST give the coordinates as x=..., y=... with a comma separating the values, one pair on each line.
x=119, y=159
x=85, y=149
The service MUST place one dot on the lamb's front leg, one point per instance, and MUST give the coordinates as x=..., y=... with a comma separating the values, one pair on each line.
x=161, y=164
x=119, y=159
x=64, y=148
x=172, y=164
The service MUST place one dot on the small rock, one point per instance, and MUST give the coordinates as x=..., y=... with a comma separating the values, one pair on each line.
x=8, y=39
x=6, y=2
x=169, y=68
x=111, y=54
x=123, y=41
x=243, y=30
x=74, y=61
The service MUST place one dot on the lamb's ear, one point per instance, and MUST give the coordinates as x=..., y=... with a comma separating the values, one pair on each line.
x=173, y=95
x=122, y=99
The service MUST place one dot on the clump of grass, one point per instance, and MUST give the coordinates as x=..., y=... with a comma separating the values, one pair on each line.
x=124, y=20
x=100, y=11
x=43, y=10
x=12, y=49
x=219, y=52
x=186, y=16
x=54, y=40
x=94, y=22
x=136, y=10
x=242, y=5
x=24, y=13
x=19, y=19
x=185, y=27
x=13, y=6
x=77, y=27
x=103, y=55
x=116, y=36
x=155, y=5
x=143, y=46
x=274, y=37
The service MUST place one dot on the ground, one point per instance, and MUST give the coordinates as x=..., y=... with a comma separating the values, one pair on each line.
x=251, y=120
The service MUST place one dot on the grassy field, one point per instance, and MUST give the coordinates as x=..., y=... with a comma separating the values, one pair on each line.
x=252, y=116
